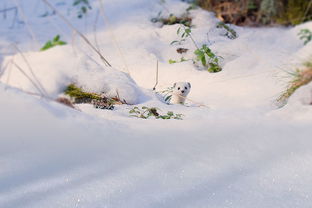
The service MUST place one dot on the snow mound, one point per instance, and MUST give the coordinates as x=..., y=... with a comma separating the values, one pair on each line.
x=58, y=67
x=302, y=96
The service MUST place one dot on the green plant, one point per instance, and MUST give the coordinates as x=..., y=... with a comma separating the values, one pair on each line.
x=146, y=112
x=182, y=59
x=229, y=32
x=305, y=35
x=208, y=59
x=84, y=7
x=203, y=55
x=52, y=43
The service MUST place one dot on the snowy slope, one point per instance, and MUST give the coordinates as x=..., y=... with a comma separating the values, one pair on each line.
x=239, y=152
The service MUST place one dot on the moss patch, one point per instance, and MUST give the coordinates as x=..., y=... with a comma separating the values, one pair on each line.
x=79, y=96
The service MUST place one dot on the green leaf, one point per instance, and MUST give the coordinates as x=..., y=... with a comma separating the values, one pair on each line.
x=84, y=9
x=168, y=98
x=188, y=31
x=210, y=55
x=173, y=42
x=172, y=61
x=61, y=43
x=203, y=60
x=178, y=31
x=56, y=38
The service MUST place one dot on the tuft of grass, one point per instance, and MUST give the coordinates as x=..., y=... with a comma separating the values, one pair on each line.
x=299, y=79
x=173, y=19
x=52, y=43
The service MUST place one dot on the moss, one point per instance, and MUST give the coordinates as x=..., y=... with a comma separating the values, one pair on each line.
x=79, y=95
x=95, y=99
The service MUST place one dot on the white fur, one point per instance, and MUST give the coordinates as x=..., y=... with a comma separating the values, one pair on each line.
x=180, y=91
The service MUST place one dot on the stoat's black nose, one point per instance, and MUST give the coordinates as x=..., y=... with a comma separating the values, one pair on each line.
x=182, y=91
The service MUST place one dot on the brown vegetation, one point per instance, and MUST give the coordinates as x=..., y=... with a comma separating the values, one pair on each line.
x=260, y=12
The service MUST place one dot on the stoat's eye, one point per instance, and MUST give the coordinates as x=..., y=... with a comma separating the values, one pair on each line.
x=185, y=88
x=178, y=88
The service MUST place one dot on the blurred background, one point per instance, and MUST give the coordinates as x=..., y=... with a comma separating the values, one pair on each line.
x=259, y=12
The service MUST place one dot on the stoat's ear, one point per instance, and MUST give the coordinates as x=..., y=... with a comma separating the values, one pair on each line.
x=174, y=85
x=189, y=84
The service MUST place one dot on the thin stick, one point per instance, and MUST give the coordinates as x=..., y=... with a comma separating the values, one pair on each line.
x=95, y=30
x=113, y=36
x=3, y=69
x=31, y=32
x=77, y=31
x=23, y=72
x=154, y=88
x=307, y=10
x=30, y=69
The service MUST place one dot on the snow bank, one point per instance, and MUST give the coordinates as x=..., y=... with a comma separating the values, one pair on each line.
x=56, y=68
x=238, y=153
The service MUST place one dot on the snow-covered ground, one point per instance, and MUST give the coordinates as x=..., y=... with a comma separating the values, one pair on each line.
x=239, y=151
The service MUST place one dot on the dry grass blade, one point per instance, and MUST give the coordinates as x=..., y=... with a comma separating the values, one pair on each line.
x=31, y=32
x=29, y=78
x=30, y=69
x=77, y=31
x=113, y=36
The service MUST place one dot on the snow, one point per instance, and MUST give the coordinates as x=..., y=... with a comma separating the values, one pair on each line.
x=237, y=151
x=85, y=73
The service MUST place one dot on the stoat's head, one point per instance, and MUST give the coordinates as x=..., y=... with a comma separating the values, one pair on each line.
x=182, y=88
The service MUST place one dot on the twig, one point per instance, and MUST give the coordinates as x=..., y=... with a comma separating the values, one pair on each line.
x=2, y=69
x=24, y=73
x=95, y=30
x=9, y=71
x=154, y=88
x=31, y=32
x=4, y=11
x=306, y=11
x=113, y=36
x=30, y=69
x=77, y=31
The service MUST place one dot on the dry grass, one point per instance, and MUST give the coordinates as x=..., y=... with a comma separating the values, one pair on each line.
x=300, y=78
